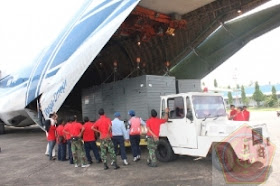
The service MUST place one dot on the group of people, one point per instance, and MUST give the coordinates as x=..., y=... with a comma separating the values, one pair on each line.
x=80, y=139
x=239, y=113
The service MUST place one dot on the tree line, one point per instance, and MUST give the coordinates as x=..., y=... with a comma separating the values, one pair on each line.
x=258, y=96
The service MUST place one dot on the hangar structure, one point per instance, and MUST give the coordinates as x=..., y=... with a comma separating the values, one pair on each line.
x=176, y=38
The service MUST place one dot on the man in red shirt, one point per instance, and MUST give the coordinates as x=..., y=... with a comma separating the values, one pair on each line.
x=89, y=141
x=66, y=130
x=239, y=115
x=76, y=131
x=153, y=127
x=246, y=113
x=47, y=123
x=232, y=112
x=52, y=135
x=61, y=152
x=103, y=126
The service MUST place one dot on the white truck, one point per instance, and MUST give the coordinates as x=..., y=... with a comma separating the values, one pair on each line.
x=198, y=121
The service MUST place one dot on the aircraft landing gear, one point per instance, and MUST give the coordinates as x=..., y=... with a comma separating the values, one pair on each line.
x=2, y=128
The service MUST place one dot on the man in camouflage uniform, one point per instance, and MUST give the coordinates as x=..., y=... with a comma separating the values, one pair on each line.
x=103, y=126
x=79, y=156
x=76, y=131
x=153, y=127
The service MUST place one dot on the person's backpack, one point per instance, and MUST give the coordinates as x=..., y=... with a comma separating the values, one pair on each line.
x=135, y=128
x=47, y=125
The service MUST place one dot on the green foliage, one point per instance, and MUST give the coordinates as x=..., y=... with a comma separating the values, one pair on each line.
x=244, y=99
x=237, y=86
x=215, y=83
x=272, y=101
x=228, y=86
x=274, y=96
x=268, y=101
x=258, y=95
x=230, y=99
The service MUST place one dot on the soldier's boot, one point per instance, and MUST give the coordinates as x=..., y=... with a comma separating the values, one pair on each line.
x=106, y=166
x=152, y=165
x=116, y=166
x=148, y=161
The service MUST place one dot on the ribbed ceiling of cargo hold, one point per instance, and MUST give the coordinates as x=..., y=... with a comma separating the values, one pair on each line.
x=163, y=37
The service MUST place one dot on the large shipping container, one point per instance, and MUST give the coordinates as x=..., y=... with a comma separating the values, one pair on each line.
x=188, y=85
x=140, y=94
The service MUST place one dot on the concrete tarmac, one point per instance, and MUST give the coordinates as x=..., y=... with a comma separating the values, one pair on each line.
x=23, y=162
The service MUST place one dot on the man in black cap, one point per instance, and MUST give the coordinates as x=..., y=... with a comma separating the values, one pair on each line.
x=103, y=126
x=153, y=127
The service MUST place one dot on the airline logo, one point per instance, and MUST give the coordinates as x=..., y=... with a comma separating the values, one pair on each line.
x=49, y=109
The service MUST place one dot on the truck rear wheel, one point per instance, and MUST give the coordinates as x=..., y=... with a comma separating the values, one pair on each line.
x=164, y=151
x=223, y=158
x=2, y=128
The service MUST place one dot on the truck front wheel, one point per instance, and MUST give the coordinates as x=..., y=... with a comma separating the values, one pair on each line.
x=164, y=151
x=223, y=159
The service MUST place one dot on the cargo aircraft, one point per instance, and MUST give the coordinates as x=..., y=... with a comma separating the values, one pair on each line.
x=41, y=87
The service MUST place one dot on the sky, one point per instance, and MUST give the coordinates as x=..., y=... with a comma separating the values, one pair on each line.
x=26, y=30
x=259, y=61
x=28, y=26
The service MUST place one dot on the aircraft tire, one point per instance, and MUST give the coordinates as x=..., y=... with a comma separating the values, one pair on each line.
x=175, y=157
x=2, y=128
x=164, y=152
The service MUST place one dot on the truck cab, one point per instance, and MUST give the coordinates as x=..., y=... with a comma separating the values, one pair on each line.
x=188, y=112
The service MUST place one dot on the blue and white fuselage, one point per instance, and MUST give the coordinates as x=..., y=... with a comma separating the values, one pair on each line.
x=51, y=77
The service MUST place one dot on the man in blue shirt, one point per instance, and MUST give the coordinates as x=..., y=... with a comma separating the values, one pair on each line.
x=119, y=135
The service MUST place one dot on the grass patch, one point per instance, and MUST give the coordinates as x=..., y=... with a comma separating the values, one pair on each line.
x=263, y=109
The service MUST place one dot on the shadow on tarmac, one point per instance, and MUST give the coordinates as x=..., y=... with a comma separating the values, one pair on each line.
x=29, y=129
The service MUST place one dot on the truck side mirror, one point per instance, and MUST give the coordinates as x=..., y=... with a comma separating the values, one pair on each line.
x=189, y=115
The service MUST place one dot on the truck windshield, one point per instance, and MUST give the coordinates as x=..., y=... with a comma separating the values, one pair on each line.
x=208, y=106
